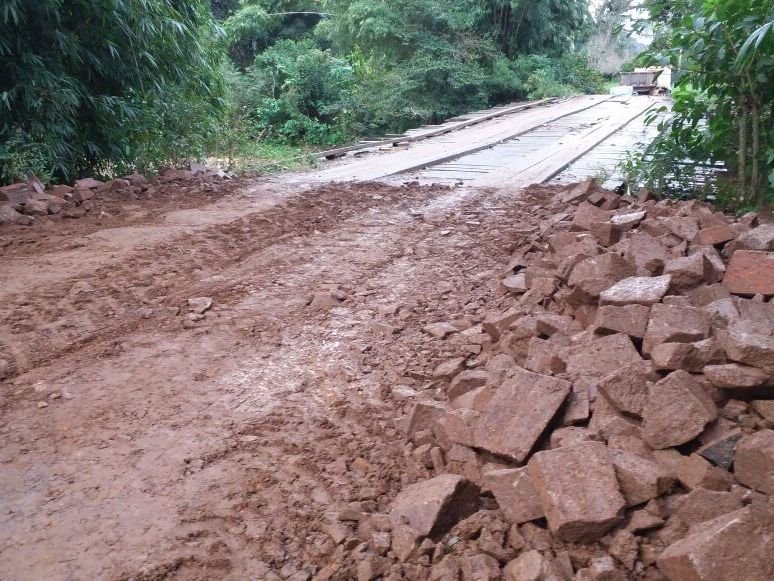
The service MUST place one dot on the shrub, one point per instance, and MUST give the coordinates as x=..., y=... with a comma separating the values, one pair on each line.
x=297, y=93
x=95, y=84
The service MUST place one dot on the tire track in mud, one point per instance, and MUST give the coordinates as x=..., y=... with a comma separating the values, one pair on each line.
x=143, y=290
x=233, y=441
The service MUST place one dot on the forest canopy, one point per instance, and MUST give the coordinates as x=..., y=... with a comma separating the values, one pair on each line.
x=107, y=87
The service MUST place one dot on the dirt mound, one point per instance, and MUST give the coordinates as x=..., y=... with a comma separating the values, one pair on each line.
x=614, y=408
x=31, y=204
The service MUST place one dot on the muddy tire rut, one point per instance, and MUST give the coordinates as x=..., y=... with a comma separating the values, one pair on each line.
x=142, y=444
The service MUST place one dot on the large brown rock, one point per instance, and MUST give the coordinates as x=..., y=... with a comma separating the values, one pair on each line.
x=10, y=217
x=519, y=413
x=598, y=273
x=36, y=208
x=496, y=323
x=627, y=388
x=694, y=471
x=714, y=235
x=750, y=343
x=88, y=184
x=465, y=382
x=480, y=567
x=647, y=253
x=15, y=194
x=701, y=505
x=605, y=200
x=760, y=238
x=717, y=265
x=757, y=311
x=434, y=506
x=765, y=407
x=515, y=494
x=723, y=312
x=685, y=227
x=677, y=411
x=549, y=324
x=567, y=244
x=578, y=407
x=448, y=369
x=750, y=273
x=601, y=357
x=458, y=426
x=630, y=320
x=477, y=399
x=440, y=330
x=735, y=376
x=586, y=215
x=641, y=479
x=569, y=436
x=675, y=325
x=734, y=547
x=605, y=233
x=424, y=416
x=608, y=422
x=82, y=195
x=689, y=271
x=754, y=461
x=578, y=490
x=575, y=193
x=708, y=294
x=637, y=290
x=529, y=566
x=692, y=357
x=544, y=357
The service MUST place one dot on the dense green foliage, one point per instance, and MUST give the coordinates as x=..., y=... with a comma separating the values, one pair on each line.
x=106, y=87
x=391, y=66
x=724, y=105
x=101, y=85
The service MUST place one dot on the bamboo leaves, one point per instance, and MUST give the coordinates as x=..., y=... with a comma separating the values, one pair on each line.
x=753, y=43
x=72, y=73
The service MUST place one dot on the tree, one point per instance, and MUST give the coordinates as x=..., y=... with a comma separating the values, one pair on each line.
x=610, y=44
x=724, y=106
x=258, y=24
x=426, y=60
x=547, y=27
x=95, y=84
x=222, y=9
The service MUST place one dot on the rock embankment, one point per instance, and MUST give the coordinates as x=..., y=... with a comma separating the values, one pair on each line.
x=614, y=421
x=28, y=203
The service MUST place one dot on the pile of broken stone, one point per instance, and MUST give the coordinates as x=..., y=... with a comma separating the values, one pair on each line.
x=618, y=424
x=26, y=203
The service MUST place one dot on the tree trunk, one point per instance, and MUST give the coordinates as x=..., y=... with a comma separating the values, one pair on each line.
x=759, y=192
x=742, y=159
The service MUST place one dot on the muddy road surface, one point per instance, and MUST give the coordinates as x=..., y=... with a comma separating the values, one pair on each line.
x=146, y=439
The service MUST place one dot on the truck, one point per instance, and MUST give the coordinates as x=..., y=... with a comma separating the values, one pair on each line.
x=649, y=81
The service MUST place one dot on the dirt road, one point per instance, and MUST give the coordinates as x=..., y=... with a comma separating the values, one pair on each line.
x=139, y=443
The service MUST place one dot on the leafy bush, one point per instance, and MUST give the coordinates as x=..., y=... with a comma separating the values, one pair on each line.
x=724, y=108
x=20, y=156
x=558, y=77
x=543, y=84
x=76, y=77
x=296, y=92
